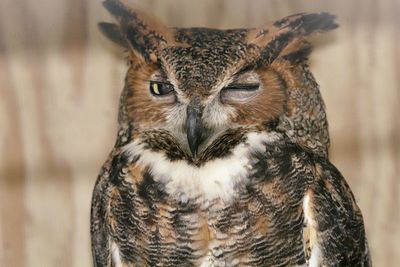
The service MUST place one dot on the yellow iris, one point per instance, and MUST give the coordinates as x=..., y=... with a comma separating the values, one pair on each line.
x=155, y=89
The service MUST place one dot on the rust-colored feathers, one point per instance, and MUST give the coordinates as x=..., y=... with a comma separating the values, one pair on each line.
x=226, y=163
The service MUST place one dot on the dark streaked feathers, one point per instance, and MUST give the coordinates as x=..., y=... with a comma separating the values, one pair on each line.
x=113, y=32
x=260, y=190
x=262, y=227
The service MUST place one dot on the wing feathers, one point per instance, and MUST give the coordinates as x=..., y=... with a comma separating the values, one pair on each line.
x=335, y=217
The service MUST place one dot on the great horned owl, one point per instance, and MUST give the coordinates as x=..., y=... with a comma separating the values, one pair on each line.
x=221, y=156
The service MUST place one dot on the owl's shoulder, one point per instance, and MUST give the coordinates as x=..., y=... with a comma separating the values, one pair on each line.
x=285, y=159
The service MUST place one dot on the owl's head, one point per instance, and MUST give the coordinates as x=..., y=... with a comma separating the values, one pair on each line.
x=197, y=91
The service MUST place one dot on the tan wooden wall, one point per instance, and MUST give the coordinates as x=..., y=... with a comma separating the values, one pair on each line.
x=59, y=87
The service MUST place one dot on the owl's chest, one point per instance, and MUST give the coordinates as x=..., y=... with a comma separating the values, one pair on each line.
x=255, y=231
x=240, y=210
x=259, y=225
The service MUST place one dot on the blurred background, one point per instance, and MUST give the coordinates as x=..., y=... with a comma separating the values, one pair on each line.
x=59, y=86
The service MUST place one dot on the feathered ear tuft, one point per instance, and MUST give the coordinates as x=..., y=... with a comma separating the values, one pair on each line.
x=298, y=53
x=305, y=24
x=142, y=34
x=113, y=32
x=119, y=10
x=287, y=36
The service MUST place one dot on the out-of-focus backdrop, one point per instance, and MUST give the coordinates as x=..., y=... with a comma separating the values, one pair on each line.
x=59, y=87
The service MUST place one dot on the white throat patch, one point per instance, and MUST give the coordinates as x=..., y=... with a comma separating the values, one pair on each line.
x=216, y=179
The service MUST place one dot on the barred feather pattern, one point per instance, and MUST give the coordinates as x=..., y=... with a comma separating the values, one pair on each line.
x=259, y=191
x=262, y=226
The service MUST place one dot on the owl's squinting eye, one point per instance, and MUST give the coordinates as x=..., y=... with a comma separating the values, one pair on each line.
x=242, y=88
x=158, y=88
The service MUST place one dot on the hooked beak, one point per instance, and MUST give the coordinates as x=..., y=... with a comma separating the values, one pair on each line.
x=194, y=126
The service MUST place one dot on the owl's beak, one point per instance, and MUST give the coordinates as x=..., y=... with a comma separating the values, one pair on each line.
x=194, y=126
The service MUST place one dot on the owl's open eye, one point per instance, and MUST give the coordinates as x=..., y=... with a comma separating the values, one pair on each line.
x=161, y=88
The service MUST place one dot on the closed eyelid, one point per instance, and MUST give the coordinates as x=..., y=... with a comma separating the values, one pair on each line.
x=243, y=86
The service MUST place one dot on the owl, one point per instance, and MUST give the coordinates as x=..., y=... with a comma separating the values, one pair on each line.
x=221, y=157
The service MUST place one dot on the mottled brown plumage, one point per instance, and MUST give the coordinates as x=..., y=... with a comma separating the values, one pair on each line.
x=224, y=161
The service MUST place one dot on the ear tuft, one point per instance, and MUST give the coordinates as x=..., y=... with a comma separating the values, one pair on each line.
x=113, y=32
x=287, y=36
x=141, y=33
x=298, y=55
x=118, y=10
x=305, y=24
